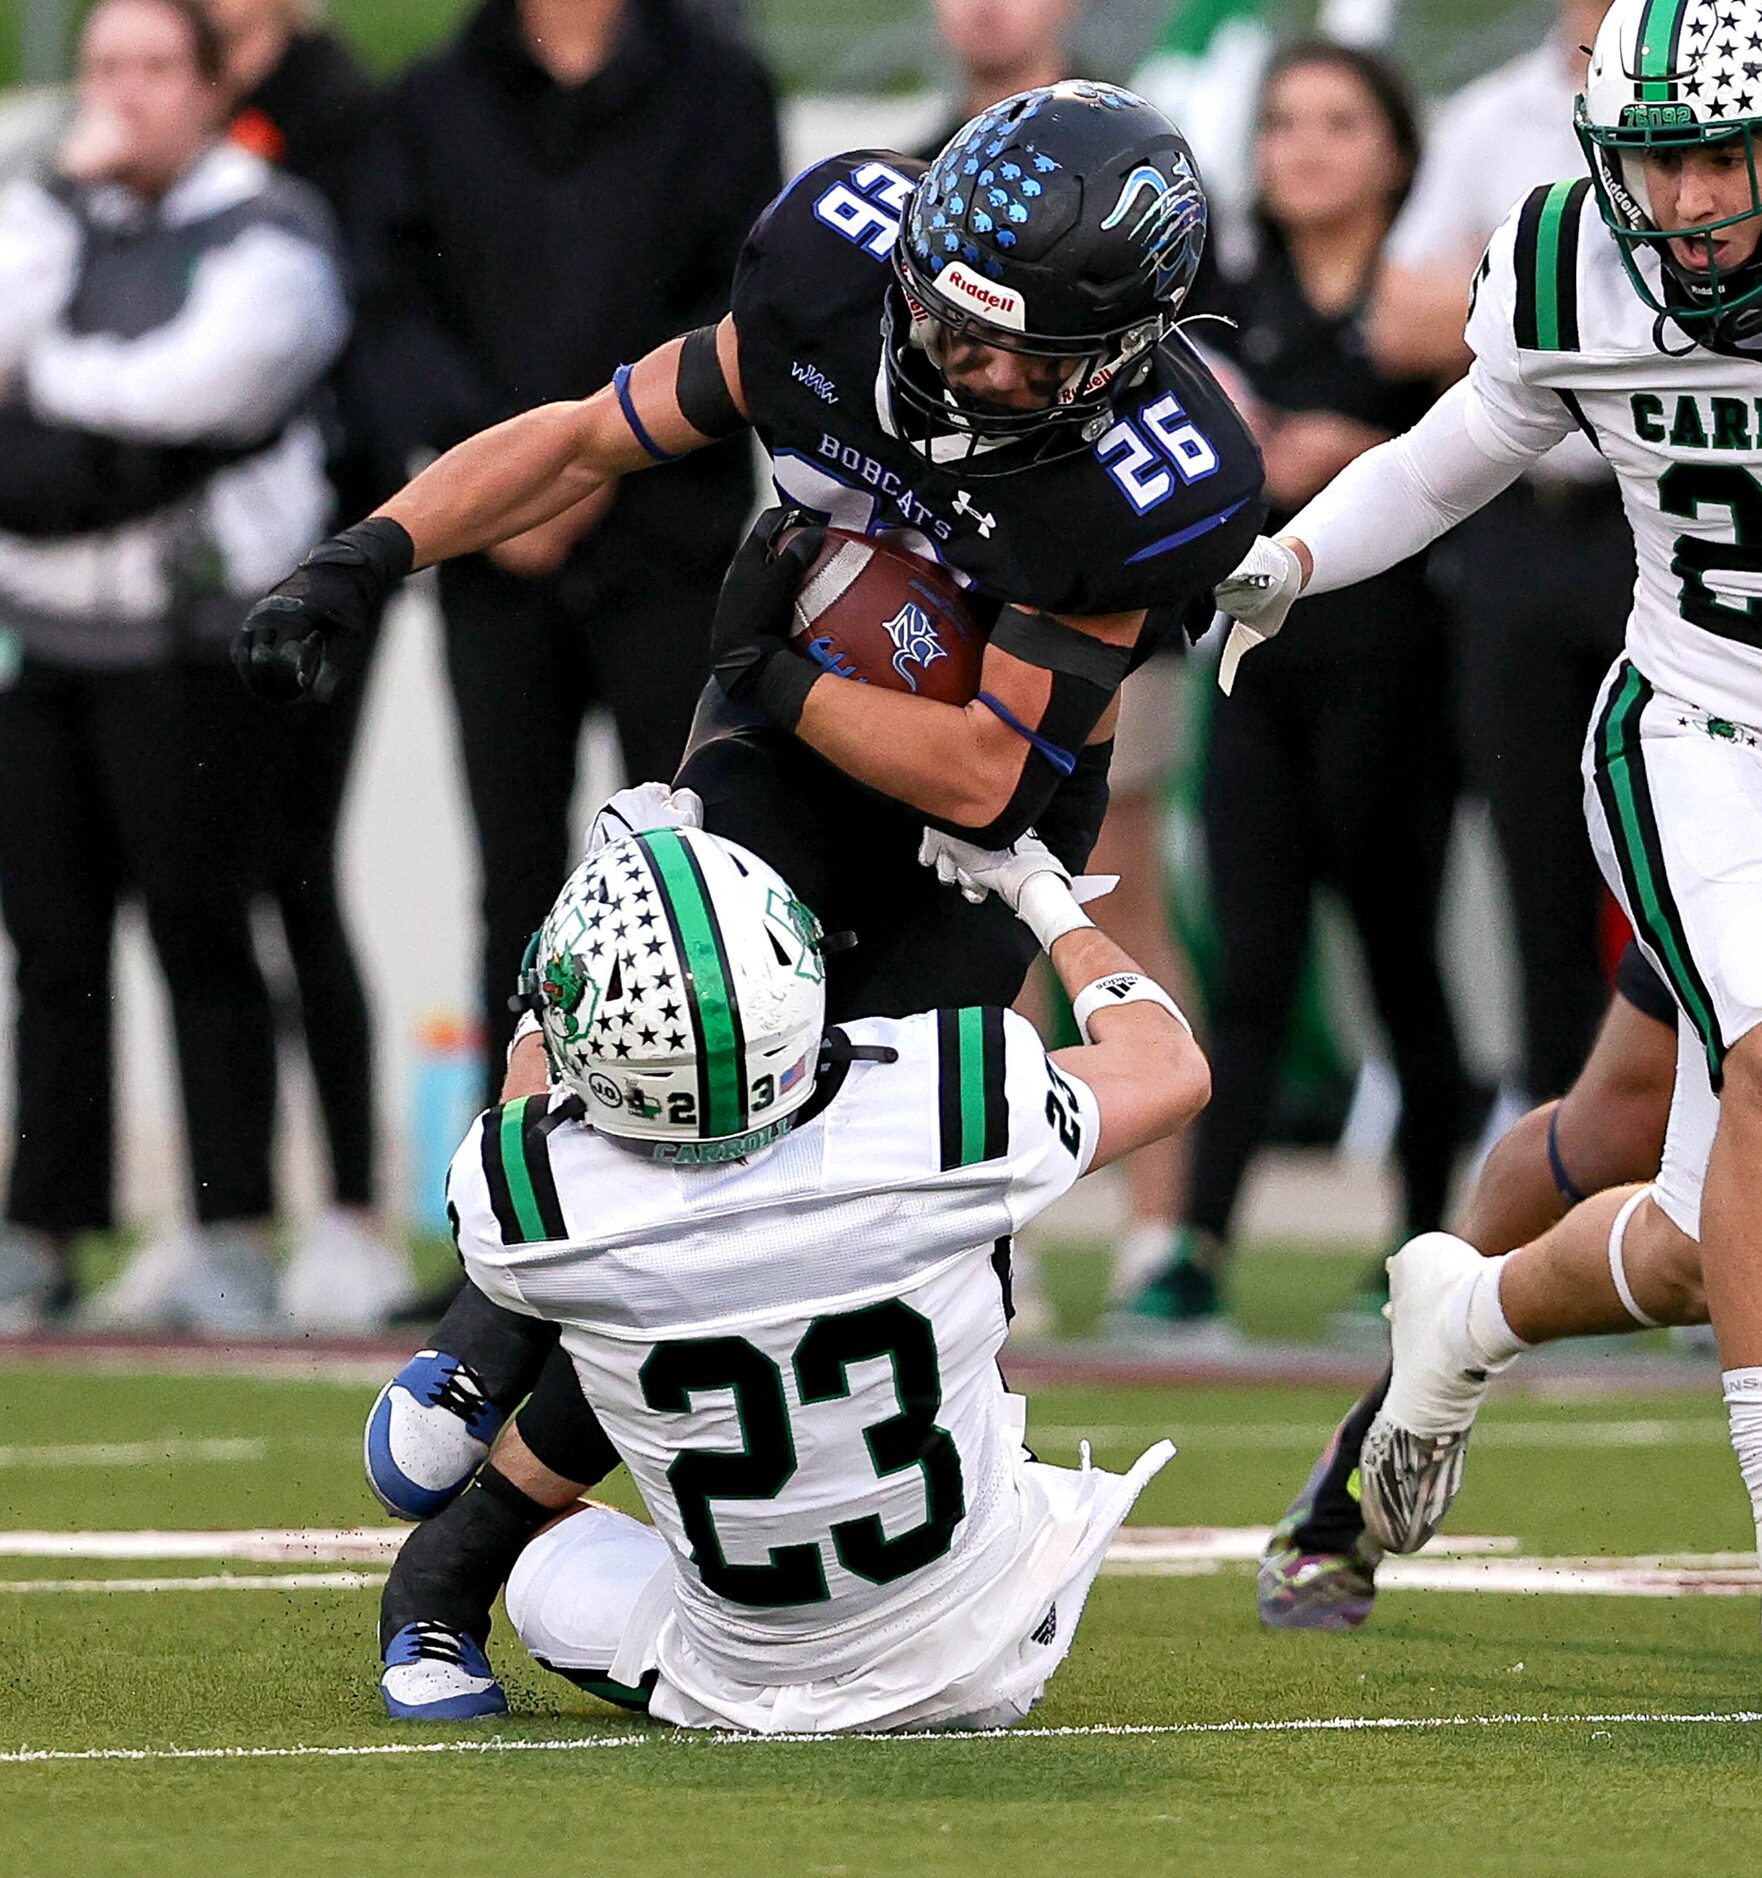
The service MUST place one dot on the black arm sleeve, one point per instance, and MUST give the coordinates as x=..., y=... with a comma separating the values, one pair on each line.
x=702, y=389
x=1086, y=673
x=58, y=480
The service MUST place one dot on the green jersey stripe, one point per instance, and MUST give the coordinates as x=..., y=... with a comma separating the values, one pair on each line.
x=1626, y=797
x=495, y=1174
x=972, y=1113
x=512, y=1129
x=1545, y=258
x=709, y=983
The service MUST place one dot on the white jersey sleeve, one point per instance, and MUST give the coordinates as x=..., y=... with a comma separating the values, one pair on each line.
x=1506, y=413
x=1055, y=1122
x=502, y=1194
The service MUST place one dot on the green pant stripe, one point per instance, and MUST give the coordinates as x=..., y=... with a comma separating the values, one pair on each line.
x=1626, y=796
x=708, y=982
x=519, y=1177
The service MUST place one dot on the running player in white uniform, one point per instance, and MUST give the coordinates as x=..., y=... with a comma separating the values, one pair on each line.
x=778, y=1260
x=1629, y=303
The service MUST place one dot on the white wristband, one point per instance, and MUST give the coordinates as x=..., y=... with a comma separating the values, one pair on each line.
x=528, y=1026
x=1122, y=988
x=1048, y=908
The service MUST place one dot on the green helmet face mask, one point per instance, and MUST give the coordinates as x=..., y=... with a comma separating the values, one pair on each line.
x=1669, y=79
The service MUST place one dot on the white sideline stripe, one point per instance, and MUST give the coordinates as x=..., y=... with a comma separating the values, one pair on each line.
x=217, y=1581
x=320, y=1545
x=687, y=1740
x=135, y=1453
x=1198, y=1439
x=1712, y=1575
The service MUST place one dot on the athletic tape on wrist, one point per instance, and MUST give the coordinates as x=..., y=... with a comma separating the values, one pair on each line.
x=1121, y=988
x=1048, y=908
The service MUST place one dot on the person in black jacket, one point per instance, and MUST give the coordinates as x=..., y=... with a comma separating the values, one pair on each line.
x=1326, y=766
x=301, y=102
x=561, y=189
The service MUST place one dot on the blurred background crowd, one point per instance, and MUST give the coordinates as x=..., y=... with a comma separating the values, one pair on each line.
x=258, y=260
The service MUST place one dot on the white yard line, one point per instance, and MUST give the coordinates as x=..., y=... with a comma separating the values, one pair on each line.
x=217, y=1581
x=59, y=1454
x=1485, y=1564
x=674, y=1742
x=1199, y=1439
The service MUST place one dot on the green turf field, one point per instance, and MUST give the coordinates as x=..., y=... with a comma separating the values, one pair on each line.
x=1556, y=1472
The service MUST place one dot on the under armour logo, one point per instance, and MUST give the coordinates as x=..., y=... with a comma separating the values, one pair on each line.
x=965, y=505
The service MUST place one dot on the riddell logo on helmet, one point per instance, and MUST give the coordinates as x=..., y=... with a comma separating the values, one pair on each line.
x=1003, y=306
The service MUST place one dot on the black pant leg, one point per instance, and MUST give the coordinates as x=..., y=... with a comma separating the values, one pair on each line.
x=58, y=888
x=304, y=762
x=649, y=654
x=178, y=752
x=1531, y=587
x=851, y=856
x=519, y=678
x=1260, y=865
x=1385, y=787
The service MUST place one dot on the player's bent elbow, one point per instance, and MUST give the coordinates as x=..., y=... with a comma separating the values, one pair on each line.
x=1189, y=1079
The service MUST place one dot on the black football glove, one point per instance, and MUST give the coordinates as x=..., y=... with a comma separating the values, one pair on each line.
x=305, y=635
x=755, y=613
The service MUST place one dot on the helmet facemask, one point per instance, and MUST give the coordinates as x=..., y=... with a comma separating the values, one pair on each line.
x=1064, y=226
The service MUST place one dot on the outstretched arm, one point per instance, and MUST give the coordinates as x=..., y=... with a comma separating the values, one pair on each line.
x=1384, y=507
x=517, y=475
x=298, y=640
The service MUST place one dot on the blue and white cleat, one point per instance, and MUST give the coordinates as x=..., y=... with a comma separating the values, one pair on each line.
x=436, y=1674
x=428, y=1434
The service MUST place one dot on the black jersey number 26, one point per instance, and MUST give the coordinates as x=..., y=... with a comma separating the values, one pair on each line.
x=1685, y=489
x=796, y=1574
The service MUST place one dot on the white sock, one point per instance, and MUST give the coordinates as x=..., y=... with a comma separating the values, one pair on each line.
x=1476, y=1325
x=1743, y=1403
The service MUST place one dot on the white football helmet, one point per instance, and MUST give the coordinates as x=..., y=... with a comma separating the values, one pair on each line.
x=1670, y=76
x=681, y=991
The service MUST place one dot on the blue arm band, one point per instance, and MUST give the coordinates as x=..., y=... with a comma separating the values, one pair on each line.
x=1569, y=1189
x=627, y=404
x=1061, y=760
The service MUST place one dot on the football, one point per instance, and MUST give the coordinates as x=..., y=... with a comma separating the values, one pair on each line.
x=875, y=613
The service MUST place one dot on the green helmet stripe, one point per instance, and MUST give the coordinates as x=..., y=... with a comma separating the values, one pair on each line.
x=709, y=984
x=1660, y=28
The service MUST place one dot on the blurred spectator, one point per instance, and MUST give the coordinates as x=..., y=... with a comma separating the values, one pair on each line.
x=1542, y=577
x=1001, y=47
x=169, y=299
x=301, y=102
x=563, y=187
x=1331, y=764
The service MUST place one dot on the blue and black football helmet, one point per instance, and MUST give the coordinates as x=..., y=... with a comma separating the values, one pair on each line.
x=1066, y=223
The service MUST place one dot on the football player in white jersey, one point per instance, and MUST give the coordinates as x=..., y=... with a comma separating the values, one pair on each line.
x=1628, y=303
x=777, y=1255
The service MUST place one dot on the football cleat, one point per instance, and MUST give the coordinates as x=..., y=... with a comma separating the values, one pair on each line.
x=436, y=1674
x=428, y=1434
x=1301, y=1586
x=1411, y=1465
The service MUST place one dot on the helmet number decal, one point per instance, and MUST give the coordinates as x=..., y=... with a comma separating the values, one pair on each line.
x=867, y=209
x=1146, y=454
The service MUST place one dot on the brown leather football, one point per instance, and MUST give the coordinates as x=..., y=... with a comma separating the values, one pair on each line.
x=875, y=613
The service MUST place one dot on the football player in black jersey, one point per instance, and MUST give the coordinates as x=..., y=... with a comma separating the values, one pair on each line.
x=978, y=359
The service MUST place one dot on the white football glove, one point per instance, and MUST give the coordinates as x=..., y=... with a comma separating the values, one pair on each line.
x=1257, y=595
x=1027, y=877
x=643, y=806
